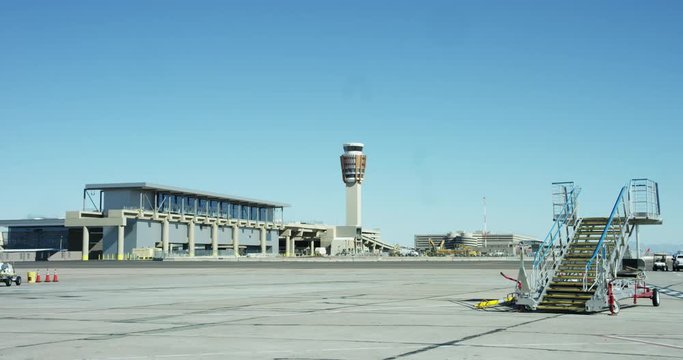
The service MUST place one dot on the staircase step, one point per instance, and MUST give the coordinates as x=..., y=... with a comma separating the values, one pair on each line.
x=568, y=296
x=588, y=220
x=568, y=290
x=577, y=272
x=596, y=232
x=578, y=282
x=569, y=277
x=569, y=281
x=563, y=301
x=571, y=269
x=566, y=287
x=572, y=264
x=580, y=267
x=561, y=308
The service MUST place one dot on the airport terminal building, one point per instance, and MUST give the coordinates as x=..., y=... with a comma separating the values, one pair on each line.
x=119, y=221
x=157, y=221
x=121, y=218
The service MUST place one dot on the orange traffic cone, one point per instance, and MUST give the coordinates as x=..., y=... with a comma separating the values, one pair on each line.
x=55, y=278
x=38, y=276
x=47, y=275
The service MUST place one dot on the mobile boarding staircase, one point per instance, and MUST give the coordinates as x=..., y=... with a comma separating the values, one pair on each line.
x=579, y=266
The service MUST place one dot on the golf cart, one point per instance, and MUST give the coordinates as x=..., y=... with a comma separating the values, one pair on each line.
x=7, y=274
x=659, y=262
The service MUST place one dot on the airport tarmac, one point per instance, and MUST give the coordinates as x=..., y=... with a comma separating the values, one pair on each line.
x=314, y=311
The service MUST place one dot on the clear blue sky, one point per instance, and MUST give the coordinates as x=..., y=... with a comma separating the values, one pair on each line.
x=453, y=99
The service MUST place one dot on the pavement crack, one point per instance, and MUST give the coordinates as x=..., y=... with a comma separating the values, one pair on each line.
x=572, y=351
x=466, y=338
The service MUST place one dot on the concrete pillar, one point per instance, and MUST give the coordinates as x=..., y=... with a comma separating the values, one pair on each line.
x=638, y=242
x=86, y=244
x=236, y=240
x=312, y=249
x=214, y=240
x=288, y=247
x=263, y=240
x=190, y=238
x=164, y=237
x=119, y=243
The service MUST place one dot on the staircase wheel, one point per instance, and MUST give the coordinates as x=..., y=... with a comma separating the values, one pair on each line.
x=614, y=308
x=655, y=297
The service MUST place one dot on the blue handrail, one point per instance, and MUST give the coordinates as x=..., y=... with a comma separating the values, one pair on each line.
x=561, y=220
x=620, y=199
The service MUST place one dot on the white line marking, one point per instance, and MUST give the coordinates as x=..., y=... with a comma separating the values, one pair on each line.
x=643, y=341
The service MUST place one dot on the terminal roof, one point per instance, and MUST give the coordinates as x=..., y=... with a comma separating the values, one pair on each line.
x=182, y=191
x=38, y=222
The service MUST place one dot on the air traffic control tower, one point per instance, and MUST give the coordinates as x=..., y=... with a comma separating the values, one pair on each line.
x=353, y=171
x=352, y=238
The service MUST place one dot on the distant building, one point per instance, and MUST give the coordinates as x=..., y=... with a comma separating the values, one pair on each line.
x=491, y=244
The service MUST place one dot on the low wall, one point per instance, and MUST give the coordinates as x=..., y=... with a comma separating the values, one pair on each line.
x=18, y=256
x=43, y=255
x=66, y=256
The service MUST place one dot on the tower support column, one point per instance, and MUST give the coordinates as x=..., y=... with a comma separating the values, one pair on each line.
x=119, y=243
x=288, y=246
x=86, y=244
x=236, y=240
x=164, y=237
x=638, y=242
x=214, y=240
x=262, y=233
x=190, y=238
x=353, y=204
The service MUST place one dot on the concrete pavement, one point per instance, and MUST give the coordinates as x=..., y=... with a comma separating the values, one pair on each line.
x=314, y=312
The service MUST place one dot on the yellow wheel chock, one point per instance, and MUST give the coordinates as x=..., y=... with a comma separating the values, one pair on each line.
x=509, y=299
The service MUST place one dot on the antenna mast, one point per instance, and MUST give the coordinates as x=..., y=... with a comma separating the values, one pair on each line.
x=484, y=231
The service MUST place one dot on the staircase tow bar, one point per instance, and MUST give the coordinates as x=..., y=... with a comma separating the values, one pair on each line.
x=519, y=283
x=635, y=289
